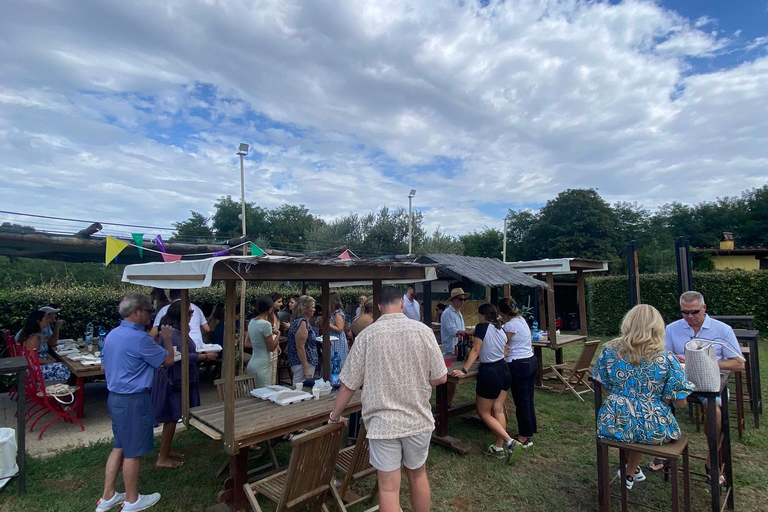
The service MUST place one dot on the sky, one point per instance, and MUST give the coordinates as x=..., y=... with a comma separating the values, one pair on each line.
x=132, y=112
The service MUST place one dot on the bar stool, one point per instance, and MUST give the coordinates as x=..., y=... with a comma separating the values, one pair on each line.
x=670, y=452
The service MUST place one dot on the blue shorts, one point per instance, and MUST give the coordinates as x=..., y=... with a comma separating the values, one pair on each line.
x=132, y=420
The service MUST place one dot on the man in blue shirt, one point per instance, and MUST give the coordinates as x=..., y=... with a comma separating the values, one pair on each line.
x=129, y=358
x=451, y=325
x=696, y=323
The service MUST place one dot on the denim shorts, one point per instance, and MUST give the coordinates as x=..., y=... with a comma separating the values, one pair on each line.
x=132, y=419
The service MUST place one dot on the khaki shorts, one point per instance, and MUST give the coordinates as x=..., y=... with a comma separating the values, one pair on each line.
x=389, y=454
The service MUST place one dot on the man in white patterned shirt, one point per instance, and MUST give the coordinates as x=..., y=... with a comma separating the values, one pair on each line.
x=398, y=362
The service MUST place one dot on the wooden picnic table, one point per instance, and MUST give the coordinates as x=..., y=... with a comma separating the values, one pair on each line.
x=80, y=371
x=256, y=421
x=750, y=338
x=443, y=413
x=562, y=340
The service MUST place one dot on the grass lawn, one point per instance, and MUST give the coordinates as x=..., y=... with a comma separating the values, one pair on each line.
x=558, y=473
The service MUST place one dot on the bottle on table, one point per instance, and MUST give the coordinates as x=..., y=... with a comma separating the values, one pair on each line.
x=102, y=335
x=535, y=330
x=89, y=335
x=335, y=371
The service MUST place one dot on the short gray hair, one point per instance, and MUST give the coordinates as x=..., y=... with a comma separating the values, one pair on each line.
x=691, y=297
x=132, y=301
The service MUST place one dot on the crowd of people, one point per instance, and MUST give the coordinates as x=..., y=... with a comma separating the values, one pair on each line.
x=397, y=361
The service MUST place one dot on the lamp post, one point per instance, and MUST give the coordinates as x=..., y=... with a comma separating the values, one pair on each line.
x=242, y=150
x=504, y=244
x=410, y=220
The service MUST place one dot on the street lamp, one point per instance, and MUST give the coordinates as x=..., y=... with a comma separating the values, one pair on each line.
x=410, y=220
x=504, y=245
x=242, y=151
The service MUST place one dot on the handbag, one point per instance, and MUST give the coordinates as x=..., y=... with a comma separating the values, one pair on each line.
x=57, y=391
x=701, y=366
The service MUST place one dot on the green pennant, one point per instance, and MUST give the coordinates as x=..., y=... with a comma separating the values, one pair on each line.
x=256, y=250
x=138, y=239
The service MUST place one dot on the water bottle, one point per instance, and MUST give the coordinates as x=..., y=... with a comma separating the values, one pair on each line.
x=535, y=330
x=89, y=335
x=335, y=371
x=102, y=335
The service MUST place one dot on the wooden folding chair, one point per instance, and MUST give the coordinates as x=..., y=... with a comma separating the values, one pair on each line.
x=577, y=372
x=308, y=477
x=243, y=386
x=354, y=462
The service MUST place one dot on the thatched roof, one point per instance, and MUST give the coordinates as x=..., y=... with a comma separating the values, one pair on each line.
x=483, y=271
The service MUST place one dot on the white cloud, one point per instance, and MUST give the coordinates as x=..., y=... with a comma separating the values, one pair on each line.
x=134, y=109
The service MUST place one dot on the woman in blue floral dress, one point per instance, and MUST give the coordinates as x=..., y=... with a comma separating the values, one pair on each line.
x=301, y=347
x=643, y=380
x=32, y=338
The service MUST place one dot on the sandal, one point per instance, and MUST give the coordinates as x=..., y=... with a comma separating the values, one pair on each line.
x=709, y=476
x=658, y=464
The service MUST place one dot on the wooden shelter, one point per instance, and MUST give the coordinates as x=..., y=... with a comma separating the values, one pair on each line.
x=185, y=275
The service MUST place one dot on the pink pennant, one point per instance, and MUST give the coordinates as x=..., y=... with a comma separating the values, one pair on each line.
x=170, y=257
x=345, y=255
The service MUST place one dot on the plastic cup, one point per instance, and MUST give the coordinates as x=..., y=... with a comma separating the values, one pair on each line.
x=300, y=387
x=448, y=362
x=316, y=393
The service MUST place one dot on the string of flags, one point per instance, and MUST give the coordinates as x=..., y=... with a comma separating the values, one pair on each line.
x=116, y=246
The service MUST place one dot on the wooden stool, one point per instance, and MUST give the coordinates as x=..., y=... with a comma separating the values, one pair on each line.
x=669, y=452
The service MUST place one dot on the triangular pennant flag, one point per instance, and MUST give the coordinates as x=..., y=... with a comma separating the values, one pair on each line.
x=221, y=253
x=158, y=241
x=138, y=239
x=345, y=255
x=170, y=257
x=114, y=247
x=256, y=250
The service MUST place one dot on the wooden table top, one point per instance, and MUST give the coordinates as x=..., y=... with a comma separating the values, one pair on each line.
x=469, y=377
x=258, y=420
x=562, y=340
x=13, y=364
x=78, y=368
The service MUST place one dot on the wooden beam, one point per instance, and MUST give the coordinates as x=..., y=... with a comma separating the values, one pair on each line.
x=542, y=306
x=507, y=292
x=228, y=370
x=376, y=298
x=265, y=271
x=582, y=298
x=185, y=356
x=551, y=324
x=427, y=302
x=325, y=291
x=488, y=293
x=179, y=277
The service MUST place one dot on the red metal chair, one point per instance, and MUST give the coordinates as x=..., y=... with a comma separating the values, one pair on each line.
x=46, y=403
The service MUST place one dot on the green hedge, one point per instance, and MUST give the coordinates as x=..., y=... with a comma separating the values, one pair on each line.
x=728, y=292
x=98, y=304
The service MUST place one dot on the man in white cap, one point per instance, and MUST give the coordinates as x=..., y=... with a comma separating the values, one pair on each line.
x=451, y=325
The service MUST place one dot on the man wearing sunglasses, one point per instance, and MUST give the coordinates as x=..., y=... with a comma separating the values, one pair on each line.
x=696, y=323
x=451, y=325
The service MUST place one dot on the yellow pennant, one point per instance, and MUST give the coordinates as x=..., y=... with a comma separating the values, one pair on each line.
x=114, y=247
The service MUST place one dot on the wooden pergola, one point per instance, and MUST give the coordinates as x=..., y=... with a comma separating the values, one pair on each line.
x=186, y=275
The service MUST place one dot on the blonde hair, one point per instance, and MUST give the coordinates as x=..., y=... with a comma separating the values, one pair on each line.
x=302, y=303
x=642, y=335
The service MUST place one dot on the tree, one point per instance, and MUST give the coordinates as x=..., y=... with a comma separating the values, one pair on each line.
x=193, y=230
x=386, y=232
x=486, y=243
x=440, y=243
x=226, y=221
x=519, y=226
x=288, y=226
x=342, y=231
x=577, y=223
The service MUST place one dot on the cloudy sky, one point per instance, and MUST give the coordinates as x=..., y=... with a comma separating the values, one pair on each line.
x=131, y=112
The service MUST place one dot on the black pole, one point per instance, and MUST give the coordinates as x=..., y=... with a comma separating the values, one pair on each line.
x=632, y=274
x=536, y=305
x=426, y=305
x=683, y=260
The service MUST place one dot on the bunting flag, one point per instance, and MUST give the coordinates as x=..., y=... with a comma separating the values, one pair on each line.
x=256, y=250
x=221, y=253
x=138, y=239
x=170, y=257
x=114, y=247
x=345, y=255
x=158, y=241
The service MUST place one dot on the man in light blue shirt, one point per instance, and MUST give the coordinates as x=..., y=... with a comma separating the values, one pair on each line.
x=696, y=323
x=451, y=325
x=129, y=358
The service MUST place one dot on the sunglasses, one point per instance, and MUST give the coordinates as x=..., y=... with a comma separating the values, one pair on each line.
x=461, y=300
x=692, y=313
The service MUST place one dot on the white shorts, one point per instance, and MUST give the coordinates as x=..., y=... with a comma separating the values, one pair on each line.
x=298, y=373
x=389, y=454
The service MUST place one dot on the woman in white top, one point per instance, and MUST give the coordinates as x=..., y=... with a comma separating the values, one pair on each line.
x=523, y=366
x=493, y=379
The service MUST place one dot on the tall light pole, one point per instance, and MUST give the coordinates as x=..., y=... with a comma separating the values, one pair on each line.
x=504, y=245
x=410, y=220
x=242, y=150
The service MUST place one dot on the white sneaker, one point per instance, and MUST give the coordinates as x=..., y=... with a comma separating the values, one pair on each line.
x=143, y=503
x=103, y=505
x=638, y=477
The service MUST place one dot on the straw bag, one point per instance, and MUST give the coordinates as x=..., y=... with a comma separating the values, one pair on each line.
x=701, y=364
x=59, y=392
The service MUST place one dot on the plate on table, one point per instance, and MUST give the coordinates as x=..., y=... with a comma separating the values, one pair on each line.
x=75, y=356
x=267, y=391
x=90, y=362
x=289, y=397
x=209, y=347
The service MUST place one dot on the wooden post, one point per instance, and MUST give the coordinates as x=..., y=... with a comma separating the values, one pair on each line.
x=582, y=297
x=185, y=356
x=243, y=328
x=507, y=292
x=376, y=298
x=326, y=301
x=488, y=293
x=542, y=307
x=427, y=302
x=229, y=369
x=551, y=324
x=495, y=295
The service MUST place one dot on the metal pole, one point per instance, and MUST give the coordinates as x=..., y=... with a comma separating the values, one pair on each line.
x=242, y=192
x=504, y=247
x=410, y=224
x=243, y=327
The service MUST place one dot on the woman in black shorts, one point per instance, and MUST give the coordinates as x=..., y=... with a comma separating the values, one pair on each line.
x=493, y=379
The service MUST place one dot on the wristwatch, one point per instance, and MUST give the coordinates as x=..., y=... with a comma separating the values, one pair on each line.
x=464, y=371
